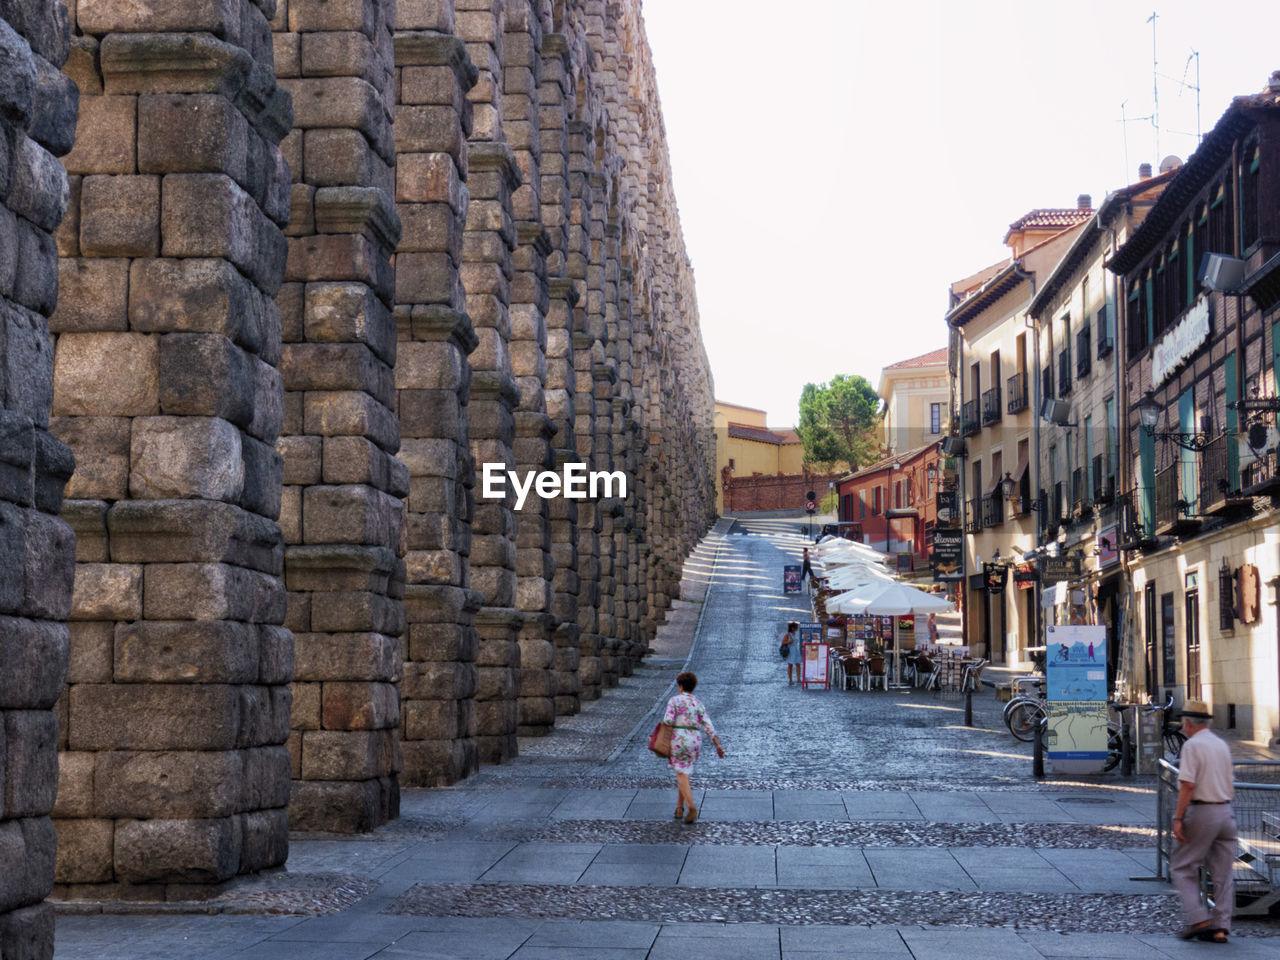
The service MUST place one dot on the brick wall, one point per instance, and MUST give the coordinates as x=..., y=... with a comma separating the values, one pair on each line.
x=782, y=491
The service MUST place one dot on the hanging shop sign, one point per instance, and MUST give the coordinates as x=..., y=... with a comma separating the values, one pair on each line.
x=947, y=560
x=948, y=509
x=1108, y=545
x=996, y=575
x=1053, y=569
x=1025, y=576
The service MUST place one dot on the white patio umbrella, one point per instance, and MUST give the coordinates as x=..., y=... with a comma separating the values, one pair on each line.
x=891, y=599
x=835, y=548
x=858, y=573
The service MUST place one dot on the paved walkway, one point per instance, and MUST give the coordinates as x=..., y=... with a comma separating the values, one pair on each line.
x=839, y=825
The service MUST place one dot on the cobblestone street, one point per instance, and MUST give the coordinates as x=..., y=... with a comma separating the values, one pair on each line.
x=840, y=824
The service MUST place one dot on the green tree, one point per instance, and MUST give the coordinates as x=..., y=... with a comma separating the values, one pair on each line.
x=839, y=423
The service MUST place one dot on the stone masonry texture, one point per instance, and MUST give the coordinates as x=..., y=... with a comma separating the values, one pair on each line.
x=343, y=484
x=321, y=261
x=37, y=547
x=174, y=774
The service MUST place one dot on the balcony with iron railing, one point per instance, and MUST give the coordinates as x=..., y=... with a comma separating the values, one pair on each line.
x=1081, y=506
x=1016, y=393
x=1064, y=373
x=1084, y=357
x=1262, y=476
x=973, y=516
x=969, y=422
x=1105, y=342
x=991, y=412
x=1219, y=484
x=1104, y=484
x=993, y=508
x=1172, y=513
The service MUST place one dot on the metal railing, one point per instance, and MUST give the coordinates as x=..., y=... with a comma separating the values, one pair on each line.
x=969, y=423
x=1084, y=358
x=1216, y=482
x=993, y=508
x=1256, y=871
x=973, y=516
x=1169, y=504
x=1016, y=392
x=991, y=412
x=1262, y=474
x=1079, y=492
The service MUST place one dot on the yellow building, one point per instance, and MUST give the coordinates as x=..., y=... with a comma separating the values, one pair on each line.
x=916, y=396
x=748, y=447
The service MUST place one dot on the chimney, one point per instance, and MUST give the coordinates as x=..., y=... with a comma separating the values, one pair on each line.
x=1084, y=202
x=1144, y=171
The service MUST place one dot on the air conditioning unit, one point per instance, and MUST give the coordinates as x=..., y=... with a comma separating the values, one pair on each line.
x=1057, y=412
x=953, y=447
x=1222, y=273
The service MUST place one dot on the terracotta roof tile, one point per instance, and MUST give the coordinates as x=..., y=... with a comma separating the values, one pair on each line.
x=932, y=359
x=742, y=432
x=1048, y=218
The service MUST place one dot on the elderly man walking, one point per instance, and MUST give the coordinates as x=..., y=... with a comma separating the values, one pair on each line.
x=1204, y=826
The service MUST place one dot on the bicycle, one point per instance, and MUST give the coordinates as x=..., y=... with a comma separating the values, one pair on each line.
x=1170, y=728
x=1024, y=712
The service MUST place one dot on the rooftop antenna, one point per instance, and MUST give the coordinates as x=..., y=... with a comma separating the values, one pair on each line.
x=1155, y=84
x=1124, y=128
x=1195, y=55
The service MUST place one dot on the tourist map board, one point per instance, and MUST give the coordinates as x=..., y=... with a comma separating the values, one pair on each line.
x=1076, y=688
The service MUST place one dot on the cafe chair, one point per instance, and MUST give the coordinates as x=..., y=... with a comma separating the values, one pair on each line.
x=875, y=673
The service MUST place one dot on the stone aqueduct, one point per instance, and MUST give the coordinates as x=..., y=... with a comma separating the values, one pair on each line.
x=302, y=265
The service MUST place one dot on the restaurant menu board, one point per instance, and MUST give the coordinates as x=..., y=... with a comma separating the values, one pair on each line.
x=1076, y=688
x=813, y=665
x=791, y=578
x=870, y=628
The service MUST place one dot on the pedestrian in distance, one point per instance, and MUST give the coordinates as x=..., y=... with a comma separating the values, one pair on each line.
x=1204, y=826
x=806, y=567
x=792, y=652
x=689, y=721
x=933, y=628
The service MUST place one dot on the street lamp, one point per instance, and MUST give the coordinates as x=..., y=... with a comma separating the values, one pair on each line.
x=1149, y=411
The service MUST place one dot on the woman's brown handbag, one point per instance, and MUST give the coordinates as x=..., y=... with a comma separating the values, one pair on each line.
x=660, y=740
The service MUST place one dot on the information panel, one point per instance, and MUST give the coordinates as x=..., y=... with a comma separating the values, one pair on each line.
x=1076, y=688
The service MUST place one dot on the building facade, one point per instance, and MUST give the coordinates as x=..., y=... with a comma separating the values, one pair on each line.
x=1078, y=510
x=992, y=367
x=896, y=502
x=916, y=395
x=1200, y=367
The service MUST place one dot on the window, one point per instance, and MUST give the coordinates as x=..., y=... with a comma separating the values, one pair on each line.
x=1113, y=437
x=1250, y=168
x=862, y=504
x=1192, y=630
x=935, y=418
x=897, y=494
x=1152, y=638
x=911, y=493
x=731, y=464
x=1219, y=222
x=875, y=502
x=1168, y=641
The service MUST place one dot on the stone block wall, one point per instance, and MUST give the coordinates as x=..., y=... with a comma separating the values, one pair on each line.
x=37, y=548
x=343, y=484
x=321, y=261
x=174, y=773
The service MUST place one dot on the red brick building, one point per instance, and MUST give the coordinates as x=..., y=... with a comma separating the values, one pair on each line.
x=895, y=500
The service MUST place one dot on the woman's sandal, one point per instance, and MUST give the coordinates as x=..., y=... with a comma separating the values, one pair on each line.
x=679, y=813
x=1212, y=935
x=692, y=815
x=1200, y=931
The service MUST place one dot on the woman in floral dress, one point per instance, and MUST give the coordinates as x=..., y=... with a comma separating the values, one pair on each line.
x=688, y=718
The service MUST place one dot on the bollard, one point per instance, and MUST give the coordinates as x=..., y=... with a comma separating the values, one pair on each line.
x=1126, y=746
x=1037, y=750
x=968, y=707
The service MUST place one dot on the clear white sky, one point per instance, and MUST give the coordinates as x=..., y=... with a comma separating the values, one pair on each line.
x=839, y=162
